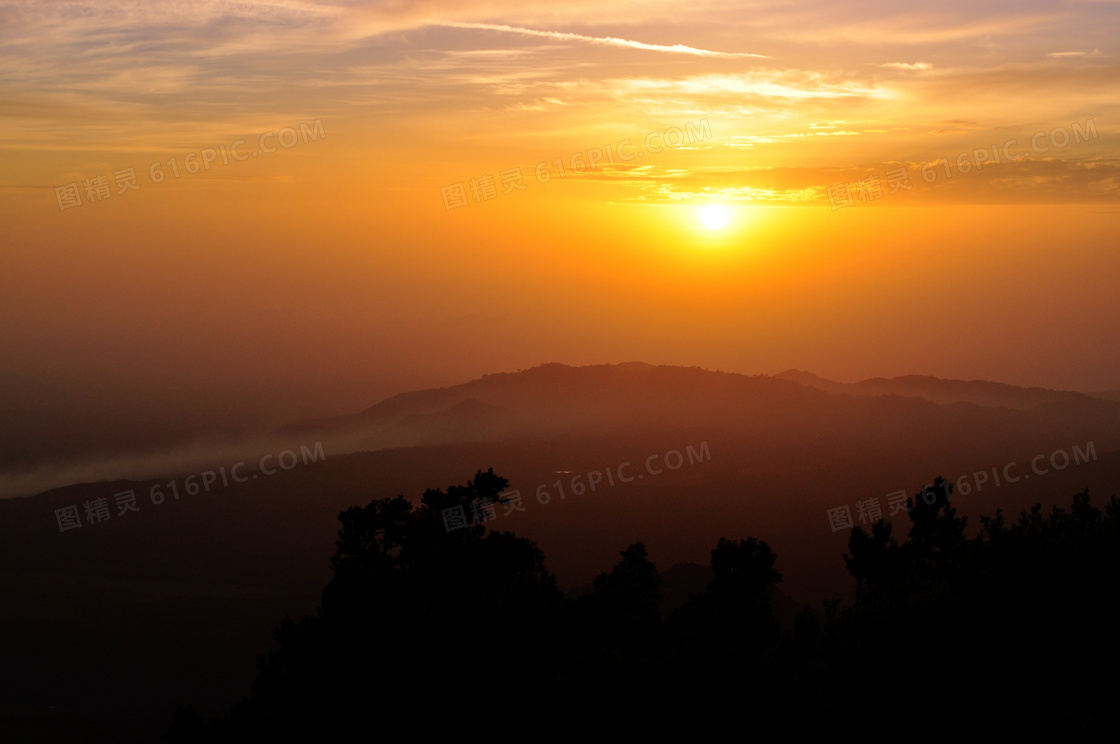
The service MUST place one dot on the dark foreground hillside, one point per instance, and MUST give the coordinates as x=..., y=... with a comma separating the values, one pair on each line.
x=107, y=628
x=114, y=612
x=1009, y=632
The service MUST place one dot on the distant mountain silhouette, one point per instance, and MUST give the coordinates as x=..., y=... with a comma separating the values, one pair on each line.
x=558, y=400
x=631, y=399
x=937, y=390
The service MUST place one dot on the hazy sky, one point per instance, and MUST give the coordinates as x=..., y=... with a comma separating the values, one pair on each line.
x=318, y=268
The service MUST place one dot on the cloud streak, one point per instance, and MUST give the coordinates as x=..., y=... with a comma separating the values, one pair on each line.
x=908, y=65
x=603, y=40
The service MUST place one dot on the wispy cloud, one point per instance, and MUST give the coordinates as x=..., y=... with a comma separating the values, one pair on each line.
x=604, y=40
x=1024, y=181
x=908, y=65
x=767, y=83
x=1094, y=53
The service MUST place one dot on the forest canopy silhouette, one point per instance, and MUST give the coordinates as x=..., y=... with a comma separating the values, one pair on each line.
x=1009, y=631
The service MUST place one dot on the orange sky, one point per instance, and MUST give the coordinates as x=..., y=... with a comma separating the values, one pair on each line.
x=319, y=277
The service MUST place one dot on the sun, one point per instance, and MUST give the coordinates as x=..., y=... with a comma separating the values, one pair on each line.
x=714, y=217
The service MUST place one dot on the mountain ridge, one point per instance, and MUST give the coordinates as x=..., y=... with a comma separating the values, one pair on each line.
x=556, y=398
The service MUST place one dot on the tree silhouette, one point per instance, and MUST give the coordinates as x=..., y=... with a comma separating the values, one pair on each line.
x=412, y=607
x=614, y=637
x=936, y=531
x=630, y=595
x=1012, y=619
x=1007, y=633
x=723, y=637
x=874, y=560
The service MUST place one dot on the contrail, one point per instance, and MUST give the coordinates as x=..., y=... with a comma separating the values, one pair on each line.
x=607, y=40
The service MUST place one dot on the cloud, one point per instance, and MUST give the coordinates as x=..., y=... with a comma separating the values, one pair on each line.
x=1094, y=53
x=767, y=83
x=908, y=65
x=605, y=40
x=1023, y=181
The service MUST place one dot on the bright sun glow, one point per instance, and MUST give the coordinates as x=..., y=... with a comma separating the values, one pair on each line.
x=714, y=217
